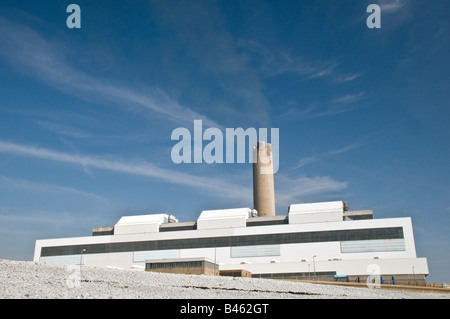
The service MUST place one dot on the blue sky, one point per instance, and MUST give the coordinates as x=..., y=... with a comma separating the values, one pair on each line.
x=86, y=115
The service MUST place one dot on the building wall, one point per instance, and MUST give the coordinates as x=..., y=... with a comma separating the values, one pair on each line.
x=195, y=267
x=341, y=267
x=260, y=259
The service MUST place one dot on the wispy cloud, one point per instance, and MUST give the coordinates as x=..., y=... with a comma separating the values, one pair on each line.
x=289, y=189
x=48, y=61
x=304, y=161
x=201, y=29
x=394, y=13
x=349, y=98
x=360, y=142
x=323, y=72
x=37, y=223
x=347, y=148
x=336, y=105
x=48, y=188
x=42, y=217
x=273, y=63
x=348, y=77
x=140, y=168
x=64, y=130
x=392, y=6
x=296, y=190
x=297, y=113
x=311, y=159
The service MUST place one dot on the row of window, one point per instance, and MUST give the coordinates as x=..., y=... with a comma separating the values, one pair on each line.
x=295, y=275
x=179, y=264
x=228, y=241
x=365, y=246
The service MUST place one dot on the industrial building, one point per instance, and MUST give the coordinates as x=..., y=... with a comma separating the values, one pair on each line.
x=321, y=241
x=313, y=241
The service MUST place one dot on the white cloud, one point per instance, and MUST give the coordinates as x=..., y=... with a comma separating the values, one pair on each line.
x=47, y=61
x=200, y=29
x=337, y=105
x=296, y=113
x=340, y=104
x=48, y=188
x=40, y=217
x=209, y=185
x=273, y=63
x=345, y=149
x=297, y=190
x=304, y=161
x=311, y=159
x=323, y=72
x=348, y=78
x=349, y=98
x=34, y=222
x=391, y=6
x=65, y=130
x=289, y=189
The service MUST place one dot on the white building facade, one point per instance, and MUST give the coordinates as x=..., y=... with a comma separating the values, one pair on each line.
x=322, y=241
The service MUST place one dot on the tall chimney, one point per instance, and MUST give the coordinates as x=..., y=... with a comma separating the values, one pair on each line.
x=263, y=184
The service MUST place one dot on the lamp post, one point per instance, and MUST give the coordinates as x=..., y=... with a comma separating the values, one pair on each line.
x=81, y=256
x=215, y=259
x=309, y=271
x=81, y=260
x=314, y=266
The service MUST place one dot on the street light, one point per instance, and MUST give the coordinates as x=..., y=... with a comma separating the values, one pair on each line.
x=215, y=259
x=314, y=266
x=81, y=257
x=81, y=260
x=309, y=271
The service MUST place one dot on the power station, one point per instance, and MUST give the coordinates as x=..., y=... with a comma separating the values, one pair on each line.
x=322, y=241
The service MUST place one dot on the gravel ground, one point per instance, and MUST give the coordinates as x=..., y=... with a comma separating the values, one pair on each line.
x=21, y=279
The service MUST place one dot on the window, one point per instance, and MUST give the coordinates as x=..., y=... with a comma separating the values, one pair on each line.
x=229, y=241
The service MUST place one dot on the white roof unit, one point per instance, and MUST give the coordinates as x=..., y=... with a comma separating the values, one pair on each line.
x=140, y=224
x=316, y=212
x=223, y=218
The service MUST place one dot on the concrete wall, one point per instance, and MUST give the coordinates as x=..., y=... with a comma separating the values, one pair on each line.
x=289, y=258
x=316, y=212
x=362, y=267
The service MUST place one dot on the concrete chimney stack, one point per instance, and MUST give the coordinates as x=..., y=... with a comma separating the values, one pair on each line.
x=263, y=183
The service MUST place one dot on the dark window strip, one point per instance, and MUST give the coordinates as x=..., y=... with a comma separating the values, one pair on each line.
x=267, y=222
x=294, y=274
x=228, y=241
x=178, y=228
x=176, y=264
